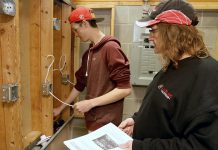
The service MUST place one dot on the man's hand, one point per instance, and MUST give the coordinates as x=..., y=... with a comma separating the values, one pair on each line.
x=126, y=146
x=56, y=111
x=83, y=106
x=127, y=126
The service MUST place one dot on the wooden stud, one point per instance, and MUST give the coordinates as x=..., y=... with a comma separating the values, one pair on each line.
x=66, y=50
x=35, y=63
x=112, y=20
x=10, y=64
x=24, y=27
x=57, y=42
x=30, y=137
x=62, y=47
x=46, y=49
x=2, y=116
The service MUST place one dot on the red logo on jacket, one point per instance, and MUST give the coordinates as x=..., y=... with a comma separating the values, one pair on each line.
x=165, y=92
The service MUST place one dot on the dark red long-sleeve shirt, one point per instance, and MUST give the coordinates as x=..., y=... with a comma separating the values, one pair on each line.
x=106, y=67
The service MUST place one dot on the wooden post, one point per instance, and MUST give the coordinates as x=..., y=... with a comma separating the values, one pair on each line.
x=62, y=48
x=10, y=73
x=112, y=20
x=2, y=116
x=46, y=49
x=25, y=65
x=57, y=41
x=66, y=50
x=35, y=63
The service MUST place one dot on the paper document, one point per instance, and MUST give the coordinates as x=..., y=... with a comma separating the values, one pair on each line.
x=107, y=137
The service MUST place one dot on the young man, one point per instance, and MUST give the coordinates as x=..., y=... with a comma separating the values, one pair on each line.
x=104, y=72
x=180, y=108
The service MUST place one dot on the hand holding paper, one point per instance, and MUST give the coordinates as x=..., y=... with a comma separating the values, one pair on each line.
x=105, y=138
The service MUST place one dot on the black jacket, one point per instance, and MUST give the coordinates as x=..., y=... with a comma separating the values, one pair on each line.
x=180, y=109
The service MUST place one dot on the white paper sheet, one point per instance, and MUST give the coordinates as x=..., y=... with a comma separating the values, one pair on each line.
x=107, y=137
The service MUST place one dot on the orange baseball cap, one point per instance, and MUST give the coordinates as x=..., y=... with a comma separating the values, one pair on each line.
x=83, y=13
x=180, y=5
x=169, y=16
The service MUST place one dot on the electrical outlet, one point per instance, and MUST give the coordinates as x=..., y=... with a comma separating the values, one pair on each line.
x=56, y=24
x=65, y=78
x=9, y=92
x=8, y=7
x=46, y=88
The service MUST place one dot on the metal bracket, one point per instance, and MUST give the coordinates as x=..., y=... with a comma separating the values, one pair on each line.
x=65, y=78
x=56, y=24
x=9, y=92
x=8, y=7
x=46, y=88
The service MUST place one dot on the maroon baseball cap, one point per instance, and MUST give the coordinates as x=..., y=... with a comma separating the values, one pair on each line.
x=180, y=5
x=169, y=16
x=83, y=13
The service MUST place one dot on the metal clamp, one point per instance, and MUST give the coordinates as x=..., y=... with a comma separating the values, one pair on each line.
x=65, y=78
x=56, y=24
x=9, y=92
x=8, y=7
x=46, y=88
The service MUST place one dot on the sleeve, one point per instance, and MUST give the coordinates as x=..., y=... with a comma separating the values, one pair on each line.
x=118, y=65
x=81, y=79
x=201, y=134
x=134, y=116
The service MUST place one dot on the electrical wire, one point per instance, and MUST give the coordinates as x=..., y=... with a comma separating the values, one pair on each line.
x=61, y=68
x=60, y=100
x=70, y=82
x=53, y=59
x=62, y=65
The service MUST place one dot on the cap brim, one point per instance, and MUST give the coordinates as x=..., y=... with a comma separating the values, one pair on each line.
x=99, y=19
x=142, y=22
x=147, y=23
x=96, y=19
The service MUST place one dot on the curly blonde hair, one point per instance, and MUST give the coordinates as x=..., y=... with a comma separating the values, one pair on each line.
x=176, y=40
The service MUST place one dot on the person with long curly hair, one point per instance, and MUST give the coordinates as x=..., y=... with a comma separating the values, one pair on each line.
x=180, y=108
